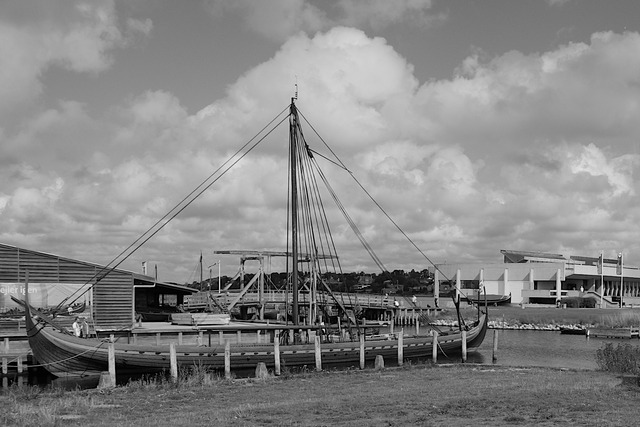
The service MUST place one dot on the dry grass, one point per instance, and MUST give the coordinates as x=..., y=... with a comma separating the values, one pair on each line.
x=452, y=395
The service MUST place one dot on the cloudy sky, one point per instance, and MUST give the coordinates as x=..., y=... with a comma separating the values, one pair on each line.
x=478, y=125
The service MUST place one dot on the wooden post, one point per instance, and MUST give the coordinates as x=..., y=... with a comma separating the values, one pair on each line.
x=6, y=345
x=135, y=338
x=318, y=349
x=200, y=337
x=20, y=368
x=5, y=366
x=434, y=350
x=179, y=338
x=239, y=335
x=361, y=351
x=495, y=345
x=112, y=364
x=112, y=338
x=174, y=361
x=157, y=338
x=401, y=347
x=227, y=359
x=276, y=351
x=258, y=339
x=464, y=345
x=220, y=337
x=417, y=327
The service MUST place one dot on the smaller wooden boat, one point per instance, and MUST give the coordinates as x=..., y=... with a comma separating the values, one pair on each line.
x=492, y=299
x=573, y=331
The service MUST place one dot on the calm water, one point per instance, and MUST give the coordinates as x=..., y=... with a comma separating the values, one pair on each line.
x=540, y=348
x=515, y=348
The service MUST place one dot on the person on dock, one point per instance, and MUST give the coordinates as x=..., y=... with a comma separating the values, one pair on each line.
x=414, y=300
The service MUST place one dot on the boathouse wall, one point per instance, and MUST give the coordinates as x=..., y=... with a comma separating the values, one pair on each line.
x=110, y=300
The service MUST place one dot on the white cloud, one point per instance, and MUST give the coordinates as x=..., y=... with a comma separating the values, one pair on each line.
x=530, y=150
x=75, y=35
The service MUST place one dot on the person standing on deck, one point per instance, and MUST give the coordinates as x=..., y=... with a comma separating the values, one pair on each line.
x=414, y=300
x=84, y=332
x=77, y=327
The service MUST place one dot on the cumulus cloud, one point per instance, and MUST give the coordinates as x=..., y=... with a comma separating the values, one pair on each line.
x=74, y=35
x=533, y=151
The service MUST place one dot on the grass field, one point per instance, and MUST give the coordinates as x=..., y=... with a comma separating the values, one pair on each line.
x=418, y=395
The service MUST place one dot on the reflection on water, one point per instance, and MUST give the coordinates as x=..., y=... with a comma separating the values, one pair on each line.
x=515, y=348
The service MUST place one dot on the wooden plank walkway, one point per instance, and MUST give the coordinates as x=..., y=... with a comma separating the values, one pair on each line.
x=614, y=332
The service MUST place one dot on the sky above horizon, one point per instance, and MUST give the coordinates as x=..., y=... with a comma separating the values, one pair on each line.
x=477, y=125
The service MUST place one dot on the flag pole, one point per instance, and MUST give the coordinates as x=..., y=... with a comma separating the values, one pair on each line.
x=620, y=256
x=601, y=262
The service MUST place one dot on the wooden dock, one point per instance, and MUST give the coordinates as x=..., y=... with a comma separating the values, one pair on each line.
x=614, y=332
x=14, y=354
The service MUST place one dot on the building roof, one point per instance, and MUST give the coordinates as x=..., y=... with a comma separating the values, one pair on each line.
x=527, y=256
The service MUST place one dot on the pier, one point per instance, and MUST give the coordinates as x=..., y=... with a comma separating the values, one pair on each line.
x=396, y=309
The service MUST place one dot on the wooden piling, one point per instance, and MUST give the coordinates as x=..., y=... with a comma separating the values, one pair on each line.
x=276, y=351
x=6, y=345
x=401, y=347
x=174, y=361
x=318, y=350
x=362, y=351
x=494, y=356
x=112, y=364
x=20, y=367
x=5, y=366
x=179, y=338
x=434, y=350
x=464, y=345
x=227, y=359
x=157, y=338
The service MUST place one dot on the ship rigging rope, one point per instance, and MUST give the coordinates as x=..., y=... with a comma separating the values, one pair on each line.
x=183, y=204
x=344, y=167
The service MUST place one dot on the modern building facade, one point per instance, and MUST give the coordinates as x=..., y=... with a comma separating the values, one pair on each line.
x=545, y=278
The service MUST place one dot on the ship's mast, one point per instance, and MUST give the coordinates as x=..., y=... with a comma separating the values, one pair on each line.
x=293, y=141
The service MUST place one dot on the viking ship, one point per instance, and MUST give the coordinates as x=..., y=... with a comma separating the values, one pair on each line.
x=62, y=353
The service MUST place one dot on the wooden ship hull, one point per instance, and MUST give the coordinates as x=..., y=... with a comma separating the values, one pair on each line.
x=64, y=354
x=492, y=299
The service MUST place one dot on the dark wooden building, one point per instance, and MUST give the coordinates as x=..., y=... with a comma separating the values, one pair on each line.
x=113, y=300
